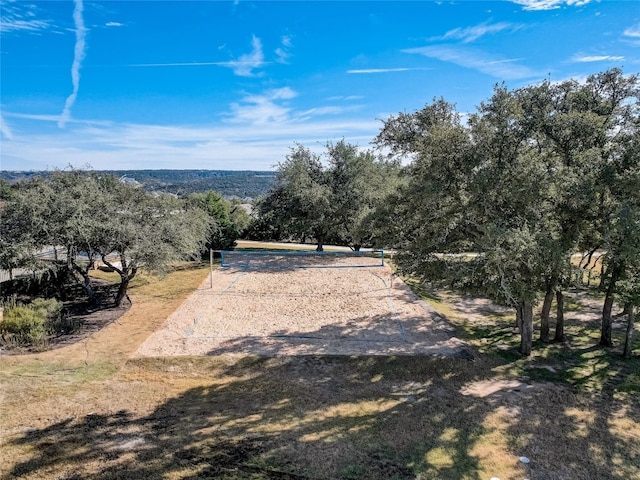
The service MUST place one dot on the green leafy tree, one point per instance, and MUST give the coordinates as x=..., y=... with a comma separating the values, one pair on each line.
x=144, y=231
x=225, y=221
x=333, y=202
x=101, y=217
x=473, y=215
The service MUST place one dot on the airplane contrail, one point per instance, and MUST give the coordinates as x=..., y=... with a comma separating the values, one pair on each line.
x=78, y=56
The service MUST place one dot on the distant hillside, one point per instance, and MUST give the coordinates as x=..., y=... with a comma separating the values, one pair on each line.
x=229, y=183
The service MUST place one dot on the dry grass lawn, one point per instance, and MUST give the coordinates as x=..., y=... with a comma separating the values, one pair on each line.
x=92, y=411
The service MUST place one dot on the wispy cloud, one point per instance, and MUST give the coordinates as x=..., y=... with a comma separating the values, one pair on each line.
x=78, y=56
x=244, y=66
x=282, y=52
x=549, y=4
x=231, y=64
x=633, y=31
x=596, y=58
x=328, y=110
x=5, y=130
x=114, y=24
x=383, y=70
x=233, y=145
x=262, y=109
x=247, y=63
x=21, y=17
x=632, y=35
x=503, y=68
x=471, y=34
x=345, y=97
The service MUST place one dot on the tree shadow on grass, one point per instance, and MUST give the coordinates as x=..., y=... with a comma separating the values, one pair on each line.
x=342, y=417
x=332, y=417
x=285, y=418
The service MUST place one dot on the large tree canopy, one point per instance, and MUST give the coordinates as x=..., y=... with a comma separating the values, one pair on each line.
x=102, y=217
x=535, y=175
x=330, y=201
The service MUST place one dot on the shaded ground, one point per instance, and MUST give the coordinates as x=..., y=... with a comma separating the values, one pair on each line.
x=80, y=319
x=91, y=411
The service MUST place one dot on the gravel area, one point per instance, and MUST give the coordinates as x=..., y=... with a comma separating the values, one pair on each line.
x=304, y=311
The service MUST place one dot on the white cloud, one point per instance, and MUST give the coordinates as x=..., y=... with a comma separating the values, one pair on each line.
x=286, y=41
x=247, y=63
x=346, y=97
x=256, y=134
x=263, y=109
x=232, y=64
x=282, y=52
x=383, y=70
x=235, y=146
x=597, y=58
x=114, y=24
x=78, y=56
x=502, y=68
x=5, y=130
x=633, y=31
x=549, y=4
x=470, y=34
x=244, y=66
x=21, y=17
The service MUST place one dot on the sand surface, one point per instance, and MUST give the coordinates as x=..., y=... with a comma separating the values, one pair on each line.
x=303, y=311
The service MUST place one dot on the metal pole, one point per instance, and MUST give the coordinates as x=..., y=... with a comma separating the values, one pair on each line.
x=211, y=267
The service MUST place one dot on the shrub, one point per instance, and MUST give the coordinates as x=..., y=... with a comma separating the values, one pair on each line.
x=25, y=324
x=30, y=324
x=51, y=307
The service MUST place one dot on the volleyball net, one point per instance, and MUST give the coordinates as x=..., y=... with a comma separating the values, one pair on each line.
x=287, y=259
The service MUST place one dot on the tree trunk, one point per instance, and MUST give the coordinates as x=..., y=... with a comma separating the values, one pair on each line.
x=124, y=287
x=559, y=336
x=526, y=331
x=86, y=283
x=607, y=321
x=628, y=341
x=356, y=248
x=544, y=315
x=126, y=275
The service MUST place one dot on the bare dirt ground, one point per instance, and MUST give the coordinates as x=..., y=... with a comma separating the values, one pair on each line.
x=304, y=311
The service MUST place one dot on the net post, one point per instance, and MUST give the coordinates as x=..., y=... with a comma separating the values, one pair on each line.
x=211, y=267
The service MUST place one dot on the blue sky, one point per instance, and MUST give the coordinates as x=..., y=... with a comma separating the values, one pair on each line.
x=233, y=85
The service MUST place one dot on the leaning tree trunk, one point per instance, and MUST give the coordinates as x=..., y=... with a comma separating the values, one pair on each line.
x=628, y=342
x=526, y=330
x=86, y=283
x=544, y=315
x=124, y=286
x=126, y=272
x=607, y=320
x=559, y=335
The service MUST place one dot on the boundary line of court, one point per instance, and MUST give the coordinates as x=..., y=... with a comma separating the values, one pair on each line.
x=189, y=332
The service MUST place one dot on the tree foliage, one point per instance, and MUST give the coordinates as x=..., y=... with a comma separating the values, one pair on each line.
x=535, y=175
x=326, y=201
x=103, y=218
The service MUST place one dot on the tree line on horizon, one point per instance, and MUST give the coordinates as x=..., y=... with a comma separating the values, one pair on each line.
x=494, y=203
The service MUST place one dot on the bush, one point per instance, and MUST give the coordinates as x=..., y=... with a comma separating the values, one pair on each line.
x=25, y=324
x=30, y=324
x=51, y=307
